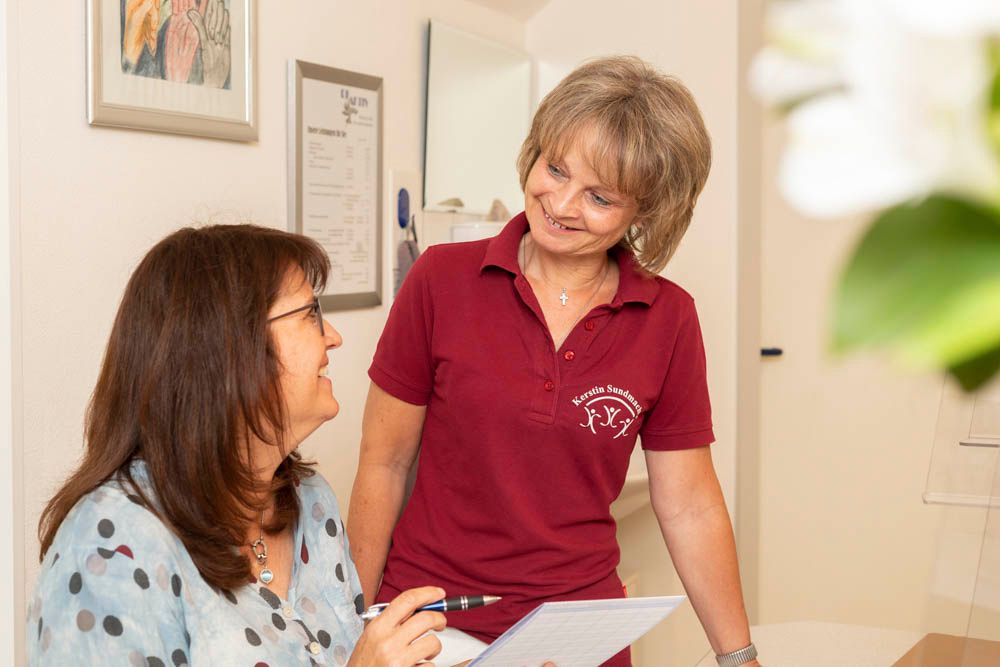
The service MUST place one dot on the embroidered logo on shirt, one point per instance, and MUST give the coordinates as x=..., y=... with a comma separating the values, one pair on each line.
x=607, y=407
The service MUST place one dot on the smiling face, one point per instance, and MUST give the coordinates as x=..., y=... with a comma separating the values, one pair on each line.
x=570, y=210
x=302, y=352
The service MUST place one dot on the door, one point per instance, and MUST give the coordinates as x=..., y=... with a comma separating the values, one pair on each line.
x=844, y=444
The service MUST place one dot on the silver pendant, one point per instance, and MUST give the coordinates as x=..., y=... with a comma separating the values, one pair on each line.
x=259, y=549
x=563, y=297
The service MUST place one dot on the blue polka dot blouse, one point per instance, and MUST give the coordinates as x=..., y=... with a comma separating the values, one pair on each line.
x=118, y=588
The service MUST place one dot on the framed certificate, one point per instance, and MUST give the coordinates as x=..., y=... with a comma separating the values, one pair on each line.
x=335, y=176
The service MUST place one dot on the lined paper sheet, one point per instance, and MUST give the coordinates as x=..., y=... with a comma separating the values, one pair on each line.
x=582, y=633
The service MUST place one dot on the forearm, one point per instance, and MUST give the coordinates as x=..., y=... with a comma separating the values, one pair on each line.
x=703, y=550
x=376, y=503
x=390, y=438
x=691, y=511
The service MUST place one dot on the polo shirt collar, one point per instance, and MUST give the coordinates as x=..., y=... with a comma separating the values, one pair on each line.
x=501, y=251
x=635, y=285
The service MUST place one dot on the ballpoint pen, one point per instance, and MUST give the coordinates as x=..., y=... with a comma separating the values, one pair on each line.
x=460, y=603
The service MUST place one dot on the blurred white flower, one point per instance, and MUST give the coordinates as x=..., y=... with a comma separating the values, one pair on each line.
x=888, y=100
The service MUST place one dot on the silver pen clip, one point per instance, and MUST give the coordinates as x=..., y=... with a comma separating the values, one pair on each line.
x=373, y=611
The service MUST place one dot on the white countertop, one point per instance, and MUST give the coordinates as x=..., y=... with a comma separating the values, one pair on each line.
x=817, y=644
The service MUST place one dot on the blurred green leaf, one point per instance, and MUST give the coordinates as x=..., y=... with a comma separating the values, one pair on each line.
x=974, y=373
x=925, y=281
x=966, y=326
x=993, y=112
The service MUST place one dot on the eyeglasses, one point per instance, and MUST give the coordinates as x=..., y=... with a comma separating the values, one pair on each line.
x=314, y=309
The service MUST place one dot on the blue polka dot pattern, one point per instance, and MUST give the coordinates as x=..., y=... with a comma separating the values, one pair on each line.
x=252, y=637
x=269, y=597
x=112, y=626
x=85, y=620
x=105, y=528
x=124, y=592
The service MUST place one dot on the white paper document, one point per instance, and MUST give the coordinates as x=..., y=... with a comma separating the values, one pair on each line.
x=456, y=647
x=582, y=633
x=339, y=180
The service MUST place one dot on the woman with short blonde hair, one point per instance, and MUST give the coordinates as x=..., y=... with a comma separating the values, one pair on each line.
x=651, y=145
x=524, y=367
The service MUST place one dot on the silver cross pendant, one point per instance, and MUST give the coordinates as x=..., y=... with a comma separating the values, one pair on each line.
x=563, y=297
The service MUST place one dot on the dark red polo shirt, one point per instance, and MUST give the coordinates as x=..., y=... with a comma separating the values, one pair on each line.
x=524, y=447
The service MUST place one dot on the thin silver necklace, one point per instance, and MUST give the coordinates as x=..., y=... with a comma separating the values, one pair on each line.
x=586, y=305
x=259, y=549
x=563, y=296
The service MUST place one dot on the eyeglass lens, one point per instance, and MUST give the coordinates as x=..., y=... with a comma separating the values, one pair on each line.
x=318, y=313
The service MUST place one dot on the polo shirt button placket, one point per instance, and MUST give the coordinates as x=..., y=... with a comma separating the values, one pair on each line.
x=569, y=355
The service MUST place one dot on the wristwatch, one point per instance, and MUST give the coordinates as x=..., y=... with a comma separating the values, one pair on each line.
x=737, y=658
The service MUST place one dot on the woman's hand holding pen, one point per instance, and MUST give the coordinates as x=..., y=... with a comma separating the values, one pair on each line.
x=394, y=638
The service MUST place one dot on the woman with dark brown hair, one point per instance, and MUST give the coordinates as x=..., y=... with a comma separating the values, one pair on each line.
x=192, y=531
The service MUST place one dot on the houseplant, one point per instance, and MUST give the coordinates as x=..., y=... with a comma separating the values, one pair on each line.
x=893, y=110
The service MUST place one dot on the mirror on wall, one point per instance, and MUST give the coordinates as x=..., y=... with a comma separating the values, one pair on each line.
x=478, y=110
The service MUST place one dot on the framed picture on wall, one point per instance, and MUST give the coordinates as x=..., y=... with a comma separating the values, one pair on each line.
x=181, y=66
x=335, y=176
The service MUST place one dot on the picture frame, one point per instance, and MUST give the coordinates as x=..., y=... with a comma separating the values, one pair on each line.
x=335, y=176
x=178, y=66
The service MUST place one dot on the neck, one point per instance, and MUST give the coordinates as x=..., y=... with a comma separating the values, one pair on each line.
x=573, y=272
x=265, y=459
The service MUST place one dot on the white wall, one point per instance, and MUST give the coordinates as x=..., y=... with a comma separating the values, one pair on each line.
x=93, y=200
x=696, y=42
x=11, y=508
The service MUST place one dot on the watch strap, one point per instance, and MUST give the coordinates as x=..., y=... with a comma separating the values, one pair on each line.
x=737, y=658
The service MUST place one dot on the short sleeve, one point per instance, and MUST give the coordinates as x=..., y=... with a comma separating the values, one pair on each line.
x=101, y=607
x=403, y=364
x=682, y=416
